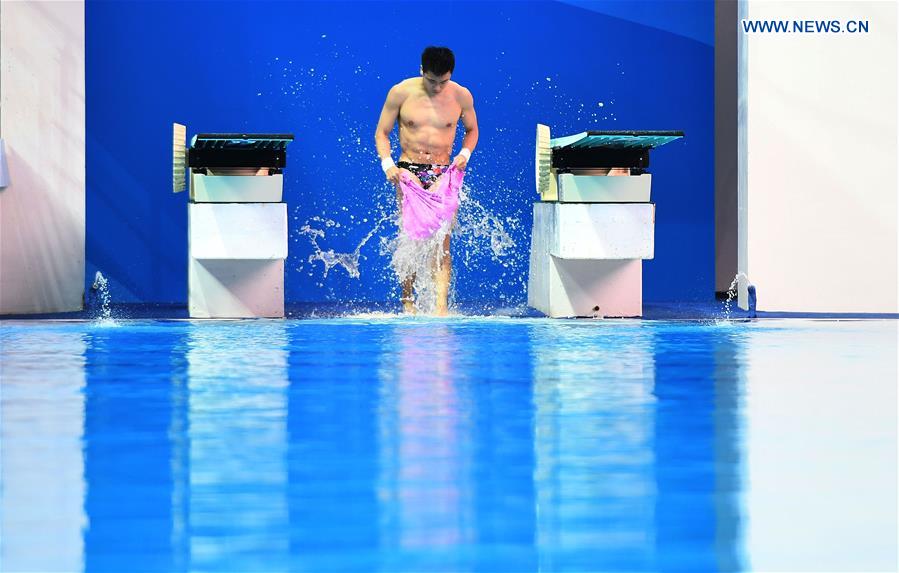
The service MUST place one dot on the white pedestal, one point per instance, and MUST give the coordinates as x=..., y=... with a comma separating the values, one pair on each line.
x=236, y=189
x=221, y=288
x=586, y=258
x=236, y=259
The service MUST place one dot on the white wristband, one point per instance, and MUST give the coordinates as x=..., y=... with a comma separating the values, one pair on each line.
x=387, y=163
x=466, y=152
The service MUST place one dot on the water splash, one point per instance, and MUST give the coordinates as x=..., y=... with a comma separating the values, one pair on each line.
x=732, y=294
x=101, y=287
x=417, y=260
x=330, y=258
x=477, y=223
x=477, y=233
x=488, y=240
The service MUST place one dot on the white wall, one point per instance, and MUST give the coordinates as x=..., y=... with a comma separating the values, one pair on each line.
x=42, y=123
x=818, y=212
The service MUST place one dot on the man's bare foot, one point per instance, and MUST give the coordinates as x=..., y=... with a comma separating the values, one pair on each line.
x=441, y=311
x=408, y=306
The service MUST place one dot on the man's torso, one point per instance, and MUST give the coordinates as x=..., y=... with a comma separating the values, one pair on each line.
x=428, y=123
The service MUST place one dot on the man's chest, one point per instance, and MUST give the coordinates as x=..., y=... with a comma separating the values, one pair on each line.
x=423, y=111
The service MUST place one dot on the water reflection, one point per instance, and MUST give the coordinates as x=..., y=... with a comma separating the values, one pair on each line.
x=821, y=445
x=237, y=433
x=41, y=466
x=456, y=486
x=333, y=446
x=594, y=445
x=506, y=445
x=638, y=447
x=134, y=399
x=425, y=435
x=698, y=447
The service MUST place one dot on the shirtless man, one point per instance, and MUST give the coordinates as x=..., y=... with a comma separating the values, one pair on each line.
x=428, y=109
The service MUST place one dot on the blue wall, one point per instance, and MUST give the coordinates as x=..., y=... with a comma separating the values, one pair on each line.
x=321, y=70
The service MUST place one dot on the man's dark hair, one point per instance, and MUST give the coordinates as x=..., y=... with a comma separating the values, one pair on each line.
x=437, y=60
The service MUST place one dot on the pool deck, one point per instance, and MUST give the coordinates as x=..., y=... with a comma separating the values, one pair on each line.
x=707, y=310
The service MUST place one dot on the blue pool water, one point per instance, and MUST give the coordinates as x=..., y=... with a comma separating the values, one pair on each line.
x=473, y=444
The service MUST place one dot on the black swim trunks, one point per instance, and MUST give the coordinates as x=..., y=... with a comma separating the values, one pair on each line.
x=427, y=173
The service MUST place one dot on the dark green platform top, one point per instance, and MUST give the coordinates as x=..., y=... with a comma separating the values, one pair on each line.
x=615, y=139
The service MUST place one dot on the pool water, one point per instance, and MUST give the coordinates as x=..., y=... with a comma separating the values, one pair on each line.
x=467, y=444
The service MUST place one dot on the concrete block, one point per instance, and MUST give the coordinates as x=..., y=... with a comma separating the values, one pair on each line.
x=236, y=288
x=596, y=230
x=594, y=278
x=562, y=288
x=237, y=230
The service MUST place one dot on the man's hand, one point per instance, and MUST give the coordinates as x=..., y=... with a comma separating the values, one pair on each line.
x=393, y=175
x=461, y=162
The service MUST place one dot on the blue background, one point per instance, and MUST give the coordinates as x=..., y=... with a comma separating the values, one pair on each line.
x=322, y=70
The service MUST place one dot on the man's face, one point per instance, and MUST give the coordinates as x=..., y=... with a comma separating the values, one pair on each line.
x=435, y=84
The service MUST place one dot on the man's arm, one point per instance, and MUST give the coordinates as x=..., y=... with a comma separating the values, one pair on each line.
x=470, y=123
x=389, y=113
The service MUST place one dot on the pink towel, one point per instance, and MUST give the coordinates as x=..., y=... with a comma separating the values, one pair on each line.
x=425, y=210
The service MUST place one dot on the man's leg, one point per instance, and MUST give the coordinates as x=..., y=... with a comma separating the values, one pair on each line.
x=408, y=284
x=408, y=296
x=442, y=277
